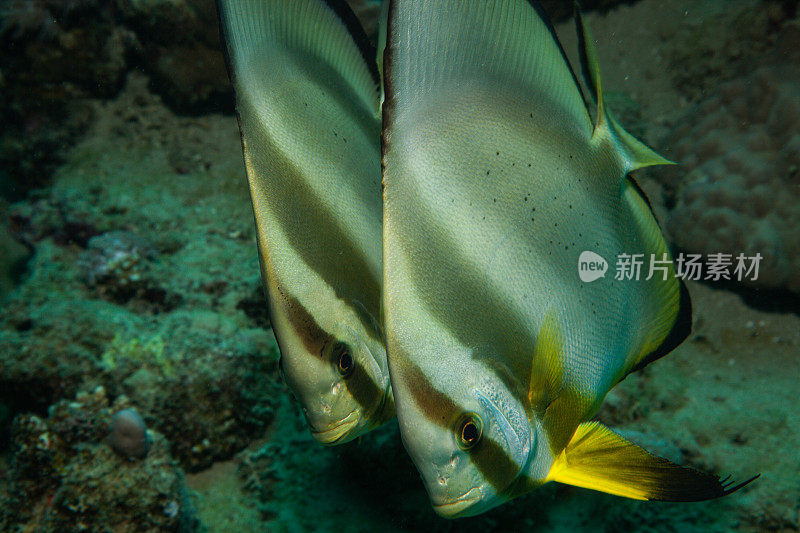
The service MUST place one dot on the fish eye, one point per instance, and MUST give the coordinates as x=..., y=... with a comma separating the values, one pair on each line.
x=469, y=430
x=345, y=364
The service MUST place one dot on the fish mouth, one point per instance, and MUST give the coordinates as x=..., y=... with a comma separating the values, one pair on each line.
x=460, y=505
x=339, y=432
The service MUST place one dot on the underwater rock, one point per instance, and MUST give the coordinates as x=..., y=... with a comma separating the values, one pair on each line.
x=13, y=255
x=117, y=265
x=117, y=255
x=187, y=67
x=198, y=373
x=128, y=435
x=740, y=152
x=210, y=402
x=56, y=53
x=63, y=477
x=210, y=396
x=191, y=78
x=67, y=220
x=200, y=370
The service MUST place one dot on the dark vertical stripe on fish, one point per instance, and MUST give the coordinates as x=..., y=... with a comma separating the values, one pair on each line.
x=488, y=456
x=365, y=392
x=313, y=337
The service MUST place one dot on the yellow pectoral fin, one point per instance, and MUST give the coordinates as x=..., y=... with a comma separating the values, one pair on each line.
x=597, y=458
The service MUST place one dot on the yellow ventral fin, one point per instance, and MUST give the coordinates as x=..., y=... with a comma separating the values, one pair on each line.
x=635, y=152
x=546, y=369
x=597, y=458
x=559, y=405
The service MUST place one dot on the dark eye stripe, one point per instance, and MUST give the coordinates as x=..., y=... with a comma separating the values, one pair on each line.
x=494, y=464
x=435, y=406
x=364, y=390
x=311, y=334
x=488, y=457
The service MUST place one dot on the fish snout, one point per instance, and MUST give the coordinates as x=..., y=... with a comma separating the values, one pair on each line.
x=448, y=492
x=460, y=505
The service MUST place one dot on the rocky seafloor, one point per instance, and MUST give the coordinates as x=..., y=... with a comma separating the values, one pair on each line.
x=129, y=280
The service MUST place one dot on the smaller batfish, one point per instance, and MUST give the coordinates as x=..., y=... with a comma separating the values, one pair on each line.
x=307, y=100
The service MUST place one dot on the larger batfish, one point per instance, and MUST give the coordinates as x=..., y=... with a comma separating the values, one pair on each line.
x=307, y=100
x=496, y=179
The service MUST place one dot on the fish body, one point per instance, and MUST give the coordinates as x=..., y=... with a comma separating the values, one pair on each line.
x=496, y=179
x=308, y=107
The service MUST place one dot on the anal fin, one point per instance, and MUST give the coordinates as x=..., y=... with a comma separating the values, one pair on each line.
x=597, y=458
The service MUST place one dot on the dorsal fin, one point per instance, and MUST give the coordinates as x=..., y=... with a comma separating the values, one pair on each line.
x=326, y=29
x=383, y=28
x=635, y=153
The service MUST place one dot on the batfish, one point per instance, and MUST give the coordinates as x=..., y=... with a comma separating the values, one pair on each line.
x=496, y=179
x=307, y=100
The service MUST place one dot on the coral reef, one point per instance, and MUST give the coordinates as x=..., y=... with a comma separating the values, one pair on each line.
x=60, y=53
x=184, y=363
x=740, y=150
x=64, y=477
x=13, y=254
x=143, y=289
x=187, y=67
x=55, y=54
x=117, y=266
x=228, y=391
